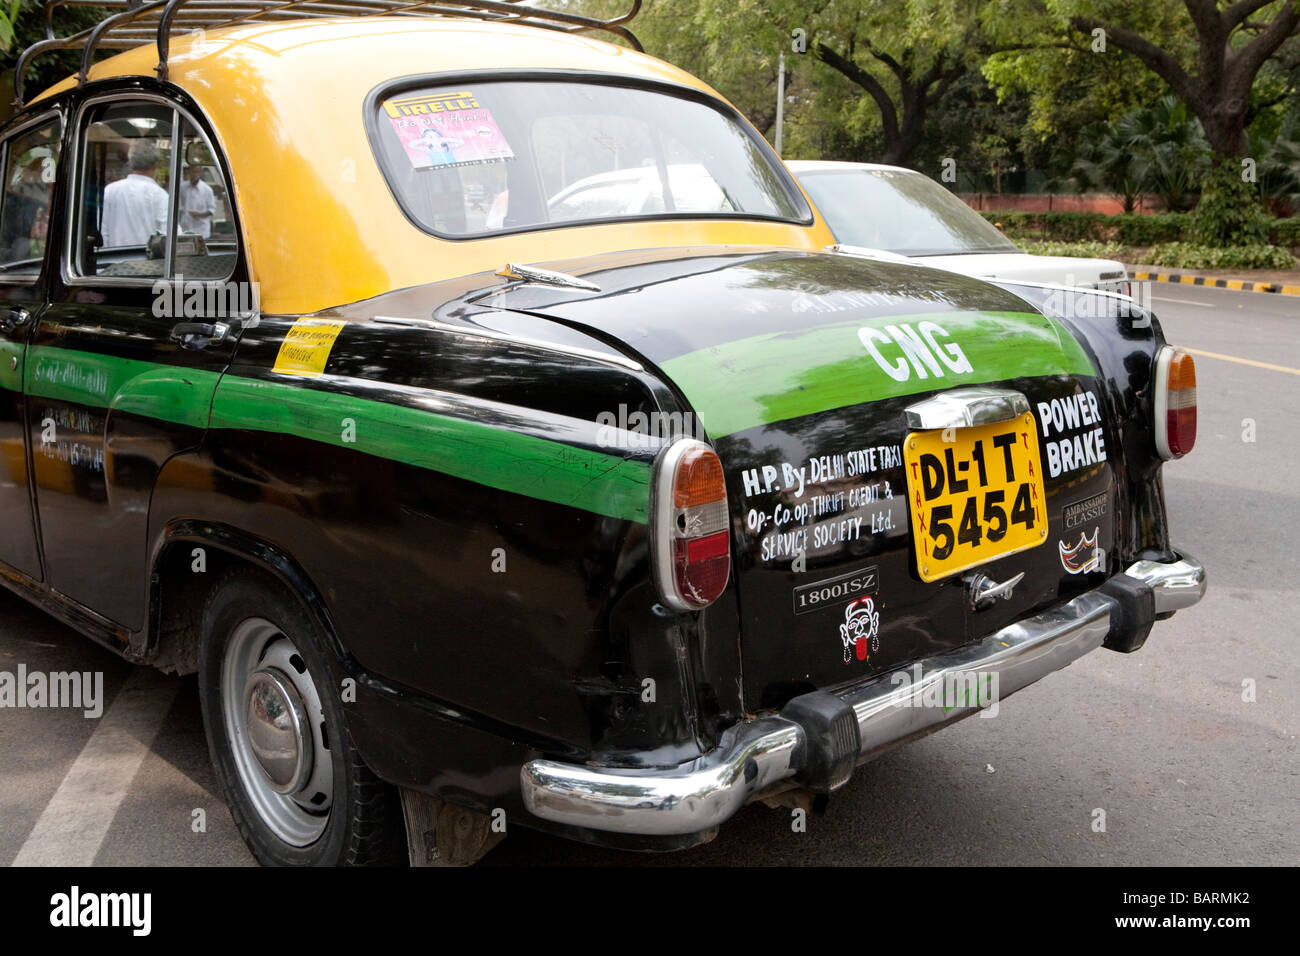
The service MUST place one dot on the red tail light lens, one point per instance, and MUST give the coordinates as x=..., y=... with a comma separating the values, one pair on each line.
x=1175, y=403
x=692, y=540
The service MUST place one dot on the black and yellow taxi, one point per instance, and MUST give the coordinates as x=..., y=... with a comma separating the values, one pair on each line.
x=473, y=404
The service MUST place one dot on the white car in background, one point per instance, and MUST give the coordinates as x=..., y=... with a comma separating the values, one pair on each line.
x=638, y=191
x=874, y=209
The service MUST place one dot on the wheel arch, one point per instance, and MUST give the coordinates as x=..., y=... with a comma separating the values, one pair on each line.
x=177, y=591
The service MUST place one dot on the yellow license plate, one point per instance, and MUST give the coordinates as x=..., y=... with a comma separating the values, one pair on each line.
x=975, y=497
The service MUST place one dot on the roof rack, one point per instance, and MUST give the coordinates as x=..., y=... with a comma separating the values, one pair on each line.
x=133, y=23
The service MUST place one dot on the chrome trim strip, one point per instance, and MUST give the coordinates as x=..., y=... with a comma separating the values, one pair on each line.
x=757, y=755
x=434, y=325
x=966, y=407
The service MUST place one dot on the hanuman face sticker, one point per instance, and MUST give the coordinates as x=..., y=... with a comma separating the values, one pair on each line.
x=1082, y=557
x=859, y=632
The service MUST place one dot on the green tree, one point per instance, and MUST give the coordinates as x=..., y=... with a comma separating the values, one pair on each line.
x=904, y=69
x=1229, y=212
x=1156, y=149
x=1069, y=84
x=1231, y=47
x=1279, y=164
x=7, y=20
x=26, y=22
x=870, y=78
x=1209, y=53
x=1107, y=163
x=1171, y=148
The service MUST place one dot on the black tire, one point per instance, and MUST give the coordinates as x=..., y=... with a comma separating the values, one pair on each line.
x=363, y=824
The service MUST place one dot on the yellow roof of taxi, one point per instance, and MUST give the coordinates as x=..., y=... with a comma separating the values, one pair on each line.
x=378, y=49
x=320, y=225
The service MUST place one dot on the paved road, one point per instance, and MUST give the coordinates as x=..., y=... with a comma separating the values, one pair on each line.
x=1162, y=741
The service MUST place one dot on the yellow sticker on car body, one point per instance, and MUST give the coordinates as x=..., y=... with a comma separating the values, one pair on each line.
x=306, y=347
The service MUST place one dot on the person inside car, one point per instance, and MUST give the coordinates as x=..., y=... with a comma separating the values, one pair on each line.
x=135, y=207
x=198, y=203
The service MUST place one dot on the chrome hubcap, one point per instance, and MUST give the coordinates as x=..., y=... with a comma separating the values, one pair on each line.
x=278, y=733
x=276, y=727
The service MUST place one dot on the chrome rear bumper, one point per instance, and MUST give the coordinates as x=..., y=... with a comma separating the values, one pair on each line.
x=770, y=753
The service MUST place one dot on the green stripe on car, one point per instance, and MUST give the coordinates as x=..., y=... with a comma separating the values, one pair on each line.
x=168, y=392
x=507, y=460
x=770, y=378
x=503, y=459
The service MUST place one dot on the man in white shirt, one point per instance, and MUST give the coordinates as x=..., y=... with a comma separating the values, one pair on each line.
x=198, y=204
x=135, y=207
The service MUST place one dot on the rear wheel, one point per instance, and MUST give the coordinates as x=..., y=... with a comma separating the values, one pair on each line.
x=296, y=787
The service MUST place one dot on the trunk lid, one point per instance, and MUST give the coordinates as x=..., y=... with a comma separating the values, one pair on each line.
x=800, y=368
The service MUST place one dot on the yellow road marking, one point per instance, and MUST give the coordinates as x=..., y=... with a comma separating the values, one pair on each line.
x=1242, y=361
x=1238, y=285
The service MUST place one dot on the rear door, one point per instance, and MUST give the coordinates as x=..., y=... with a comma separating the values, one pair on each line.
x=30, y=161
x=123, y=364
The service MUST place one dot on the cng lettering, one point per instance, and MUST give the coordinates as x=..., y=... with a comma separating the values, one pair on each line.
x=917, y=347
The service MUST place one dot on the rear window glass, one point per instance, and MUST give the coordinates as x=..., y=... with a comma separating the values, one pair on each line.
x=899, y=211
x=477, y=158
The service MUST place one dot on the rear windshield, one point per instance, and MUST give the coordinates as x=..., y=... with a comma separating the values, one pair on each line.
x=475, y=158
x=899, y=211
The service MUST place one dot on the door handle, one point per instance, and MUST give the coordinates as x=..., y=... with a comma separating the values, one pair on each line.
x=15, y=320
x=199, y=335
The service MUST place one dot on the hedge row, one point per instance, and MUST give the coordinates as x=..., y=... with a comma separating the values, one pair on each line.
x=1082, y=249
x=1131, y=230
x=1178, y=255
x=1186, y=255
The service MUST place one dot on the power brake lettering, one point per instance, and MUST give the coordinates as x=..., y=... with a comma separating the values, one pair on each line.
x=920, y=353
x=1076, y=421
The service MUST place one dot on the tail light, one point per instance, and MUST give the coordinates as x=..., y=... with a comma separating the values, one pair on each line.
x=692, y=539
x=1175, y=403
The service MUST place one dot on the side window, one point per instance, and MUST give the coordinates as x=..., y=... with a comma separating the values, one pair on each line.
x=206, y=247
x=122, y=198
x=150, y=195
x=31, y=162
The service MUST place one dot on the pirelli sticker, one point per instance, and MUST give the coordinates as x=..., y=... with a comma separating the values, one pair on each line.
x=306, y=347
x=446, y=129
